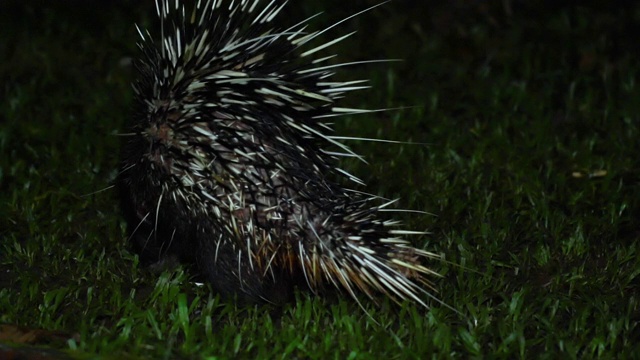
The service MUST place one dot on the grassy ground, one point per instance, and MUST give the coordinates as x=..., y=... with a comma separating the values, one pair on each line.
x=531, y=118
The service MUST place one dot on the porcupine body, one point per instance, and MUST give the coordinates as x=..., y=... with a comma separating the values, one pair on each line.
x=229, y=161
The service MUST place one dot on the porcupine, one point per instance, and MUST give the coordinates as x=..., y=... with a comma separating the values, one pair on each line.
x=230, y=163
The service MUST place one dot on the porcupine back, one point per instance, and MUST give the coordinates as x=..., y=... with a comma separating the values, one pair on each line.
x=230, y=162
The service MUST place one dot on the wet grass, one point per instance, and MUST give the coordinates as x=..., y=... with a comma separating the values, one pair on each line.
x=526, y=119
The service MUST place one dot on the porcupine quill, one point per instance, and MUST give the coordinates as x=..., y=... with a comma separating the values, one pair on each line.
x=230, y=162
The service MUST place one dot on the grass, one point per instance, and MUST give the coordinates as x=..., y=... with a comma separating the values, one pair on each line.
x=530, y=114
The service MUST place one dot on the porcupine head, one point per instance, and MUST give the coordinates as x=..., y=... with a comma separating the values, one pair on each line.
x=229, y=164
